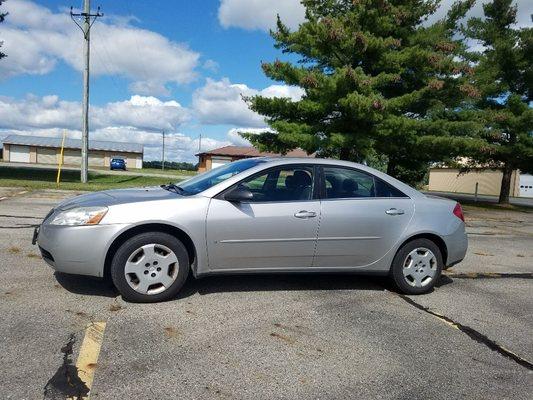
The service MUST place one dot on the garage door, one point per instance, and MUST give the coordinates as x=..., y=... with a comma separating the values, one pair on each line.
x=526, y=185
x=219, y=161
x=96, y=159
x=46, y=156
x=19, y=153
x=72, y=157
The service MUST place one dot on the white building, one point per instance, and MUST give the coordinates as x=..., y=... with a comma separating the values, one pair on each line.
x=47, y=150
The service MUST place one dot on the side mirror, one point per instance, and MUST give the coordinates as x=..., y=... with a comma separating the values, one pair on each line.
x=239, y=194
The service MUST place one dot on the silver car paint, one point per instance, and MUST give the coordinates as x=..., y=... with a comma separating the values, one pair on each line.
x=260, y=237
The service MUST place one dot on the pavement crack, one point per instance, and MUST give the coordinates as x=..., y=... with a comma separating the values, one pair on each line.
x=25, y=226
x=19, y=216
x=66, y=383
x=472, y=334
x=490, y=275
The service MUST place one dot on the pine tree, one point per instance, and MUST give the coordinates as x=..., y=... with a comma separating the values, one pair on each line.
x=377, y=79
x=504, y=81
x=2, y=17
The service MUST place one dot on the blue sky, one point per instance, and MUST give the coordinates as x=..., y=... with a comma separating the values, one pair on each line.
x=179, y=65
x=174, y=65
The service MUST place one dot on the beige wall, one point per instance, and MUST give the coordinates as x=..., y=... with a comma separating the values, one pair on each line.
x=5, y=152
x=73, y=157
x=489, y=181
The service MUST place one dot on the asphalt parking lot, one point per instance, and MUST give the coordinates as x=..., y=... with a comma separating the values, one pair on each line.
x=270, y=337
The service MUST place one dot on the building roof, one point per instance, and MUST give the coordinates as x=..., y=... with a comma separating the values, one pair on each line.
x=247, y=152
x=41, y=141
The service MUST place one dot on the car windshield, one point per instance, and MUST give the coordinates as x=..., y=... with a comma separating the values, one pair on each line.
x=211, y=178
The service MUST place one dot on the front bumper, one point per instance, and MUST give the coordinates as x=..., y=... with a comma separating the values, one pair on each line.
x=77, y=249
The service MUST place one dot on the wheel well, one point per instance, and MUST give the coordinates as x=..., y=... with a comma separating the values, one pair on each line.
x=172, y=230
x=435, y=239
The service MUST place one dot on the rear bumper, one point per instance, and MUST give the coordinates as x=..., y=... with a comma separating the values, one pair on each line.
x=456, y=245
x=77, y=249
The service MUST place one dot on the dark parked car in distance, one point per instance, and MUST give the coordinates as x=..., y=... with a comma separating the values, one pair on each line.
x=118, y=163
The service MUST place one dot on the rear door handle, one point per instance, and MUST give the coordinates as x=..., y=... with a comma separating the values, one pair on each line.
x=394, y=211
x=305, y=214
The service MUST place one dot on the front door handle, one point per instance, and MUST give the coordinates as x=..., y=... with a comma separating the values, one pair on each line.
x=394, y=211
x=305, y=214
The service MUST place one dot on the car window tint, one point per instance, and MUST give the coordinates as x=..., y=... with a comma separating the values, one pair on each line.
x=342, y=183
x=347, y=183
x=383, y=189
x=282, y=184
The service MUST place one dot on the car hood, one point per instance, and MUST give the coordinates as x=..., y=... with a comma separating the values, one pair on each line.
x=118, y=196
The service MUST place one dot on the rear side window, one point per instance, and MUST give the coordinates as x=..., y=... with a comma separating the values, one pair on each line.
x=346, y=183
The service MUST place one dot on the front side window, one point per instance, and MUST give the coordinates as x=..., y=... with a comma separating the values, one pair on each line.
x=345, y=183
x=281, y=184
x=217, y=175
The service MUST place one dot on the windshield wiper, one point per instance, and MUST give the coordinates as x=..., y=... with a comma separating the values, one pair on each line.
x=173, y=188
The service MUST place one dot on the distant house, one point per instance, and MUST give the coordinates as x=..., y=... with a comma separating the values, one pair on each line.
x=488, y=182
x=47, y=150
x=223, y=155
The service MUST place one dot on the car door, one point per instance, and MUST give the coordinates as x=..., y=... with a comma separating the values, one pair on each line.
x=274, y=230
x=362, y=218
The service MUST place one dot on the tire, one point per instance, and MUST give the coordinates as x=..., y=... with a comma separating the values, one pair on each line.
x=150, y=267
x=417, y=266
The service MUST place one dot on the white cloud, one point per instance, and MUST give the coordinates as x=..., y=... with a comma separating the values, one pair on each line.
x=260, y=14
x=525, y=9
x=220, y=102
x=234, y=135
x=140, y=112
x=139, y=120
x=36, y=39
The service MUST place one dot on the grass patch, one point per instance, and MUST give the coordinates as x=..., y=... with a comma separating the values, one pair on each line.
x=13, y=250
x=40, y=178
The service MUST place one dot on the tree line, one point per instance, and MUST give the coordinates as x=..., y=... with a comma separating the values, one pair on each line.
x=383, y=84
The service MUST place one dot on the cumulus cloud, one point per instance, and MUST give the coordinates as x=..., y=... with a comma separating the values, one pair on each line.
x=260, y=14
x=36, y=39
x=141, y=112
x=220, y=102
x=234, y=135
x=525, y=10
x=139, y=119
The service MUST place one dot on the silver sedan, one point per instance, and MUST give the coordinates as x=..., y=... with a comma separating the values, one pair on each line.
x=256, y=215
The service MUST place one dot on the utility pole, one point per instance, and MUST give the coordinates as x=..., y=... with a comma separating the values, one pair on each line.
x=163, y=163
x=87, y=22
x=199, y=148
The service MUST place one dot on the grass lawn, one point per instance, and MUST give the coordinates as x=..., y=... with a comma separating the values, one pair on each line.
x=169, y=172
x=38, y=178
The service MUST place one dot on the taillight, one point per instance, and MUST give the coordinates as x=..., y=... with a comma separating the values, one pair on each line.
x=458, y=212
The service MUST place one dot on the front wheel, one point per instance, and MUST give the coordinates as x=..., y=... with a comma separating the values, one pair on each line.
x=417, y=266
x=150, y=267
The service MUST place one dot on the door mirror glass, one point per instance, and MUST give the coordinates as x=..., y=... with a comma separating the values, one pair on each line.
x=239, y=194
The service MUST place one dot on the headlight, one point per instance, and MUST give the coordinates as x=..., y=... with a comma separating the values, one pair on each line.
x=80, y=216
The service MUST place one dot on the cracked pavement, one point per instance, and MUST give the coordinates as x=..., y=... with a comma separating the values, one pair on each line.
x=273, y=337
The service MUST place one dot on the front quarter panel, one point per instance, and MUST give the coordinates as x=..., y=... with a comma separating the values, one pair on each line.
x=187, y=214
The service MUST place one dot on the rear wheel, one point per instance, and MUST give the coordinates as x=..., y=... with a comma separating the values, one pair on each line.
x=150, y=267
x=417, y=266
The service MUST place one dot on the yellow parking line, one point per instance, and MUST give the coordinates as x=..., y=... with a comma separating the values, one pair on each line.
x=89, y=351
